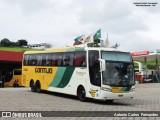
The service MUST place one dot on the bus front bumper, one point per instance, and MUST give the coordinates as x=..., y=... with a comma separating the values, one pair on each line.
x=113, y=96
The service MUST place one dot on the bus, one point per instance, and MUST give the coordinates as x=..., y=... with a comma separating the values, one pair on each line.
x=13, y=78
x=87, y=72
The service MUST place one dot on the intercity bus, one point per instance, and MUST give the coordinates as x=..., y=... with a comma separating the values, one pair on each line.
x=13, y=78
x=95, y=72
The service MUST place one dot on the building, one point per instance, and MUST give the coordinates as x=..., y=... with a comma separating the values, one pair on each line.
x=39, y=46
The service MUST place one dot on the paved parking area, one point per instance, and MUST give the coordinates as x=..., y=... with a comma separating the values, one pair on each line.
x=147, y=98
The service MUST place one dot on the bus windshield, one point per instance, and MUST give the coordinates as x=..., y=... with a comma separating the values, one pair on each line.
x=119, y=69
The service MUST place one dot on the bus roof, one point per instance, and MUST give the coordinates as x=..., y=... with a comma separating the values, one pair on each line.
x=72, y=48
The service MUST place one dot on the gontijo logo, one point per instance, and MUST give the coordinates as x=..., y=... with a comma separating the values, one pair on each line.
x=43, y=70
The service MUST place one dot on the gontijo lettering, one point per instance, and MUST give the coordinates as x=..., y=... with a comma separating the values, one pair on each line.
x=43, y=70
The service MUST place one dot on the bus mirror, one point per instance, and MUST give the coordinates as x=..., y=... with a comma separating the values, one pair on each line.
x=102, y=65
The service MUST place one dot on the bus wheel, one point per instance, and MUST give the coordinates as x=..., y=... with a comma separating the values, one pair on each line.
x=81, y=93
x=32, y=86
x=38, y=87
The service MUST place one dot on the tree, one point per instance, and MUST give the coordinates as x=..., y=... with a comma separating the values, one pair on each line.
x=6, y=42
x=22, y=42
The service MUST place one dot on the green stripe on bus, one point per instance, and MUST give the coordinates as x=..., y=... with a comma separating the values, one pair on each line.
x=58, y=76
x=66, y=77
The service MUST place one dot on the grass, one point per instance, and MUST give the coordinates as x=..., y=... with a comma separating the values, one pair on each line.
x=18, y=49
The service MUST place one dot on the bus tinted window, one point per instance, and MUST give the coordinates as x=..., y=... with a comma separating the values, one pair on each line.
x=39, y=59
x=80, y=59
x=26, y=57
x=32, y=60
x=77, y=59
x=68, y=59
x=43, y=60
x=56, y=59
x=60, y=59
x=48, y=59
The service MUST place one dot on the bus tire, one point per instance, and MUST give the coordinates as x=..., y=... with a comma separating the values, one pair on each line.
x=81, y=93
x=32, y=86
x=38, y=87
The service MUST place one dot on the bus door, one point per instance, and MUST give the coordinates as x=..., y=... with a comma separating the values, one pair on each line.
x=94, y=73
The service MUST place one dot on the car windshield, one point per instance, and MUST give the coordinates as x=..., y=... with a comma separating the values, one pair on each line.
x=119, y=69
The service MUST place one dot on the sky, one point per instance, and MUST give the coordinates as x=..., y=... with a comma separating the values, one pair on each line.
x=59, y=22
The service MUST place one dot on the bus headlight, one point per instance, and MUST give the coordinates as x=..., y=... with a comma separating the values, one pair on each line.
x=106, y=89
x=133, y=89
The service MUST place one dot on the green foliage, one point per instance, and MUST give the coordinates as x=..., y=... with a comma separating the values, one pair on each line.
x=150, y=64
x=151, y=67
x=7, y=43
x=22, y=42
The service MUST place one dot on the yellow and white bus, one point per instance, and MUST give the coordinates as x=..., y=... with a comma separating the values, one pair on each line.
x=13, y=78
x=99, y=73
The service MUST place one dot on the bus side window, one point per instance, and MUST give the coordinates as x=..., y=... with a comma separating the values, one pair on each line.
x=31, y=62
x=68, y=59
x=39, y=59
x=48, y=59
x=26, y=60
x=34, y=60
x=79, y=59
x=54, y=60
x=60, y=63
x=43, y=60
